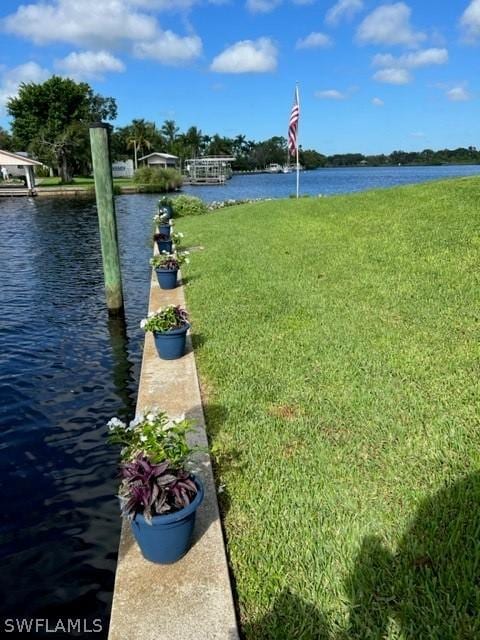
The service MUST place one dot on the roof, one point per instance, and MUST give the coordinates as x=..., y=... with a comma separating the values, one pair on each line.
x=165, y=156
x=15, y=159
x=212, y=159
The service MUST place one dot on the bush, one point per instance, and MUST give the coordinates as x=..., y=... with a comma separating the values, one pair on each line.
x=188, y=206
x=42, y=172
x=153, y=180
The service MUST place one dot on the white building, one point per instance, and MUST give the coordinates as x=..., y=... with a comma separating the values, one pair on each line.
x=123, y=169
x=160, y=160
x=19, y=165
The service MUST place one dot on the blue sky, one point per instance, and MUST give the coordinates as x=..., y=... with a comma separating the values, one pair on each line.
x=374, y=76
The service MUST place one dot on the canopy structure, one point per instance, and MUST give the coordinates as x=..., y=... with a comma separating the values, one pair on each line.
x=208, y=169
x=12, y=162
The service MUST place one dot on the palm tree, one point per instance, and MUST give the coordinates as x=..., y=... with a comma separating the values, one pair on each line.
x=239, y=145
x=170, y=130
x=140, y=137
x=193, y=139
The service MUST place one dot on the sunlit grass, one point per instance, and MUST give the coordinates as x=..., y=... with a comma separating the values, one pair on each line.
x=337, y=343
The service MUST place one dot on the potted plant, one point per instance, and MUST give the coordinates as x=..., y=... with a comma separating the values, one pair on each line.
x=164, y=242
x=165, y=206
x=166, y=266
x=169, y=327
x=162, y=220
x=158, y=494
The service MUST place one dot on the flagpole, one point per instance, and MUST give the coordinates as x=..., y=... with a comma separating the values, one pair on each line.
x=296, y=151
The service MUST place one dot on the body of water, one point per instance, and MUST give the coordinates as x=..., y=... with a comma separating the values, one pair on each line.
x=66, y=368
x=326, y=181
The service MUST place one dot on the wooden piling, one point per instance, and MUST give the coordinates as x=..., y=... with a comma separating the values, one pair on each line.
x=102, y=173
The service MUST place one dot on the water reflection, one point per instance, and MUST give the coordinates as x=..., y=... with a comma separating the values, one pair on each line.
x=123, y=377
x=66, y=367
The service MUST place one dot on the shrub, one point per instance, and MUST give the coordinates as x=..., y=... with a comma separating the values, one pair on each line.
x=188, y=206
x=153, y=180
x=42, y=172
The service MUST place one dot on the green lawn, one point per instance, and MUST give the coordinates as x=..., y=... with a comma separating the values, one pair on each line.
x=337, y=341
x=80, y=182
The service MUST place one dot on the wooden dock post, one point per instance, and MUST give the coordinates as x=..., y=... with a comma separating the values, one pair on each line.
x=102, y=173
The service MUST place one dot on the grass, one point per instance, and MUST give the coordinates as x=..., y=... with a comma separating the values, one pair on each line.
x=80, y=182
x=337, y=344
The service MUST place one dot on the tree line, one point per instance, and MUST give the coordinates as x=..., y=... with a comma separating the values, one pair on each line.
x=51, y=121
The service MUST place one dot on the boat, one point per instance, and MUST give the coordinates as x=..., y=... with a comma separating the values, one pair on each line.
x=274, y=168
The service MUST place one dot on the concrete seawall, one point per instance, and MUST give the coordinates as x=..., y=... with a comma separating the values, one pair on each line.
x=192, y=599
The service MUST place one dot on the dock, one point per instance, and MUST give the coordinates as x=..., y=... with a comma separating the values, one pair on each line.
x=191, y=599
x=17, y=191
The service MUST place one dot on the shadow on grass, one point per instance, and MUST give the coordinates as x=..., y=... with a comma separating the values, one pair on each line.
x=290, y=618
x=198, y=340
x=429, y=589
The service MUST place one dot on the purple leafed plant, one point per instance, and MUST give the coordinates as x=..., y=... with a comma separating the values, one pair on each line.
x=154, y=489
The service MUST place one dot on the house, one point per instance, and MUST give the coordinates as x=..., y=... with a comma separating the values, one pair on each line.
x=18, y=165
x=160, y=160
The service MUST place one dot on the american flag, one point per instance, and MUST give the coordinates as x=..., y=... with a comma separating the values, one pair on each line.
x=293, y=125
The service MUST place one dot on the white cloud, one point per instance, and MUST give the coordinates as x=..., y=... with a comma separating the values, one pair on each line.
x=313, y=40
x=343, y=9
x=470, y=20
x=247, y=56
x=392, y=75
x=12, y=78
x=165, y=5
x=94, y=23
x=378, y=102
x=458, y=94
x=330, y=94
x=262, y=6
x=102, y=25
x=169, y=48
x=89, y=64
x=421, y=58
x=389, y=24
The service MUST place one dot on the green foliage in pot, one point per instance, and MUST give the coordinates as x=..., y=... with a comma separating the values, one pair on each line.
x=165, y=319
x=170, y=261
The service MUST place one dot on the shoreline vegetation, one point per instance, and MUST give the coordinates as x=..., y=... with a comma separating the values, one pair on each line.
x=57, y=135
x=341, y=407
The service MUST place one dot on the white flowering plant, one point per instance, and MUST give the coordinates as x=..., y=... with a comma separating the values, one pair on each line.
x=170, y=261
x=164, y=201
x=154, y=436
x=177, y=237
x=165, y=319
x=161, y=218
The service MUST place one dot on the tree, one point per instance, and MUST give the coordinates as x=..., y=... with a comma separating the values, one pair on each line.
x=140, y=137
x=6, y=142
x=170, y=130
x=51, y=120
x=193, y=140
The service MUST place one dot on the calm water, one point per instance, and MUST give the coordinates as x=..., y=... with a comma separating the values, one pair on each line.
x=326, y=181
x=65, y=369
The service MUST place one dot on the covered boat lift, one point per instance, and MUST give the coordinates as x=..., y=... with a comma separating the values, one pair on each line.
x=8, y=160
x=208, y=169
